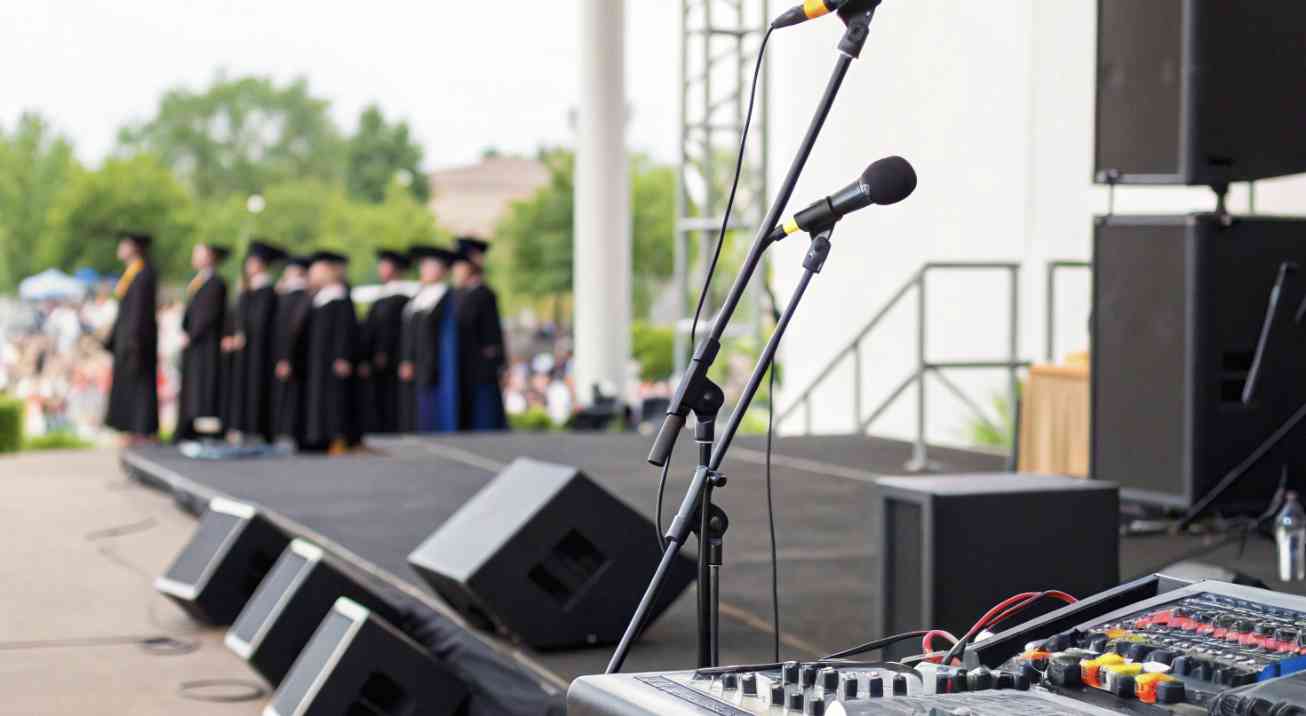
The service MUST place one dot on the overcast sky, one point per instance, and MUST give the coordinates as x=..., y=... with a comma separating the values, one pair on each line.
x=466, y=75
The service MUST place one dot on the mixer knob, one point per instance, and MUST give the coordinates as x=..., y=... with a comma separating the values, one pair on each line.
x=899, y=684
x=777, y=695
x=1004, y=680
x=1170, y=692
x=748, y=684
x=1161, y=656
x=808, y=676
x=729, y=682
x=796, y=701
x=789, y=673
x=815, y=706
x=1182, y=665
x=1030, y=673
x=848, y=686
x=829, y=679
x=1020, y=682
x=875, y=686
x=979, y=679
x=941, y=682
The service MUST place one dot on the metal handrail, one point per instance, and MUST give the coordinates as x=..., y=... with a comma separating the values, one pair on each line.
x=1053, y=267
x=924, y=367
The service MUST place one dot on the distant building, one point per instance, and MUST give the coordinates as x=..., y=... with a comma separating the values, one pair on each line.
x=471, y=199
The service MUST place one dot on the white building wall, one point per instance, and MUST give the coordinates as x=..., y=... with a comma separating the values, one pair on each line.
x=993, y=104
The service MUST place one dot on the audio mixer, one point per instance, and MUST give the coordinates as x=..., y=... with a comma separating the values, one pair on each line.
x=1204, y=648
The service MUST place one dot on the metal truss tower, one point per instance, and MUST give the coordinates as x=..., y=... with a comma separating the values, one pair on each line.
x=719, y=44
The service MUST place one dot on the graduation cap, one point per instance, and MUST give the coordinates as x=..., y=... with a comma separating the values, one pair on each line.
x=140, y=238
x=219, y=253
x=468, y=245
x=443, y=255
x=398, y=258
x=299, y=261
x=266, y=252
x=330, y=257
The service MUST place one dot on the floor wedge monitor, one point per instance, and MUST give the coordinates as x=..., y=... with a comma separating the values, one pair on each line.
x=547, y=556
x=358, y=664
x=290, y=603
x=220, y=568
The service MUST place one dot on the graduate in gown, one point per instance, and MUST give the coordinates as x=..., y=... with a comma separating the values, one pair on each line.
x=381, y=338
x=256, y=312
x=134, y=343
x=201, y=354
x=293, y=304
x=331, y=334
x=482, y=354
x=228, y=380
x=428, y=381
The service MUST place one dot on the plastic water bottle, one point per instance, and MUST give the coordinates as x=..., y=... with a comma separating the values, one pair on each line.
x=1290, y=533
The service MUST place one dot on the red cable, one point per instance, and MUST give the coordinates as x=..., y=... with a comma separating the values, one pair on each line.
x=1010, y=607
x=929, y=635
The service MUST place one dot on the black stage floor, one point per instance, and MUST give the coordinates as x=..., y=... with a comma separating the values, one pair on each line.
x=380, y=506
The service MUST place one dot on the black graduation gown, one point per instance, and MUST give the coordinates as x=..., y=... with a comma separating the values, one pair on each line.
x=255, y=318
x=419, y=344
x=382, y=329
x=482, y=358
x=292, y=315
x=134, y=342
x=229, y=380
x=201, y=360
x=331, y=335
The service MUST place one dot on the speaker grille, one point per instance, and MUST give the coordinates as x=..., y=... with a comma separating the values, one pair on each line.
x=315, y=659
x=1139, y=87
x=259, y=608
x=205, y=548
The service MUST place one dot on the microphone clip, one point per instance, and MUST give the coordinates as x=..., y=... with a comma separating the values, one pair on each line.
x=818, y=250
x=856, y=16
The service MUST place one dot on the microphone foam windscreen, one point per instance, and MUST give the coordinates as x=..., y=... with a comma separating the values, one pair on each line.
x=890, y=180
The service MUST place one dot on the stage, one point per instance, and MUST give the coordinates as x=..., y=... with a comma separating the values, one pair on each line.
x=374, y=508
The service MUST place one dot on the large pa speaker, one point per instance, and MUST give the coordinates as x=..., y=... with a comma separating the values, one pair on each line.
x=1178, y=307
x=1200, y=92
x=952, y=546
x=290, y=603
x=358, y=665
x=545, y=555
x=220, y=568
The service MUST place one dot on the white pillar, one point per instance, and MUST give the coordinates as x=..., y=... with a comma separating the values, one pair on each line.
x=601, y=262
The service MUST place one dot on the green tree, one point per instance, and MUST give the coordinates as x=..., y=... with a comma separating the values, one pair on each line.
x=240, y=136
x=536, y=233
x=307, y=214
x=380, y=152
x=136, y=193
x=35, y=163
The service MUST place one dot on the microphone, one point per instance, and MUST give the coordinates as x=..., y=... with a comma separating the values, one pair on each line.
x=809, y=10
x=886, y=181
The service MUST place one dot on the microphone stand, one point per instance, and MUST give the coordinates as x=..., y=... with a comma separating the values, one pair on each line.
x=698, y=393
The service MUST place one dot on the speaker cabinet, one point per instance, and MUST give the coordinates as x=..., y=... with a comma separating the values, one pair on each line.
x=1178, y=306
x=358, y=664
x=1199, y=92
x=547, y=556
x=290, y=603
x=952, y=546
x=220, y=568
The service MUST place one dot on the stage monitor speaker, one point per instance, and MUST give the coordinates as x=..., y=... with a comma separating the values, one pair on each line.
x=953, y=546
x=1178, y=307
x=290, y=603
x=547, y=556
x=220, y=568
x=1199, y=92
x=357, y=664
